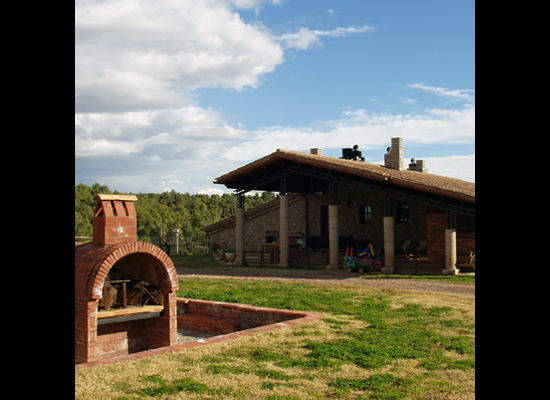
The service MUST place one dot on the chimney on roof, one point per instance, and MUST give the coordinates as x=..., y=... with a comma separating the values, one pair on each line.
x=418, y=165
x=316, y=151
x=395, y=157
x=352, y=154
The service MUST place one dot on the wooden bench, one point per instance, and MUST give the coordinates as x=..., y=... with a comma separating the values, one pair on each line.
x=130, y=313
x=466, y=263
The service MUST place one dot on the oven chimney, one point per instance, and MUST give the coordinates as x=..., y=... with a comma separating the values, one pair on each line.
x=395, y=157
x=316, y=151
x=115, y=220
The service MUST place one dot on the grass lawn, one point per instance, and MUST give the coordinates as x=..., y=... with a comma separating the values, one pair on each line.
x=374, y=344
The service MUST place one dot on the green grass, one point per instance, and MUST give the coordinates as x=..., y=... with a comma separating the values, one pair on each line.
x=410, y=332
x=272, y=294
x=162, y=388
x=399, y=275
x=380, y=386
x=374, y=344
x=194, y=261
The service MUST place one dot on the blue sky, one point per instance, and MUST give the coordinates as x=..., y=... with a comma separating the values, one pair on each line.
x=171, y=94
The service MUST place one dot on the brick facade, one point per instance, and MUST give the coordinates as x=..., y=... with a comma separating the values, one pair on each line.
x=437, y=224
x=350, y=202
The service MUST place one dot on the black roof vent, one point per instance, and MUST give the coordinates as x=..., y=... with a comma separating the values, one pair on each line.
x=352, y=154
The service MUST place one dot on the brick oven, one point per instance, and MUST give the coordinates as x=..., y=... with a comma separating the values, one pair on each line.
x=125, y=290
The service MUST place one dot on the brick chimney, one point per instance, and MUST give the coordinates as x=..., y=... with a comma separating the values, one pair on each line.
x=395, y=157
x=115, y=220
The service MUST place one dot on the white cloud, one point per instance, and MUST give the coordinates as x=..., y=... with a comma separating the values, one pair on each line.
x=306, y=38
x=368, y=130
x=256, y=4
x=208, y=190
x=137, y=63
x=461, y=167
x=174, y=184
x=343, y=32
x=301, y=40
x=141, y=55
x=162, y=133
x=463, y=95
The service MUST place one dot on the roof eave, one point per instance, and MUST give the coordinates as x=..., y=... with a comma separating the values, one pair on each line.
x=325, y=162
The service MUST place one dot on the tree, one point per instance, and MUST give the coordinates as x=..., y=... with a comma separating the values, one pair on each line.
x=160, y=214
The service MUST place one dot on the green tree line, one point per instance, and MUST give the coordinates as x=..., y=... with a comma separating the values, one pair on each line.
x=160, y=214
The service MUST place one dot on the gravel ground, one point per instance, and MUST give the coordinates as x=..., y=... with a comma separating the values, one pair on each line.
x=185, y=336
x=333, y=277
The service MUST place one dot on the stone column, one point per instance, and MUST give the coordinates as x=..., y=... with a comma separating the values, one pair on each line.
x=239, y=250
x=389, y=245
x=333, y=236
x=450, y=253
x=284, y=239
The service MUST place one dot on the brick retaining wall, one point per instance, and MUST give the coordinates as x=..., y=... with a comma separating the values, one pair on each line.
x=223, y=318
x=250, y=315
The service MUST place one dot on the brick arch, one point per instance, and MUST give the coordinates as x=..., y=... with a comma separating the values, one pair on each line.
x=93, y=263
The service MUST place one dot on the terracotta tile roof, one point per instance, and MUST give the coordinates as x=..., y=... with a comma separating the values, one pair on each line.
x=445, y=186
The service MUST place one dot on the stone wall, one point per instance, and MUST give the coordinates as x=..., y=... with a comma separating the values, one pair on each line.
x=259, y=225
x=225, y=239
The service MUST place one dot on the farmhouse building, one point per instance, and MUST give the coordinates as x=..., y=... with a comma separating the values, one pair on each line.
x=328, y=205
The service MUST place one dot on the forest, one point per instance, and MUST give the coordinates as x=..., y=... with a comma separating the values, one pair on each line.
x=160, y=214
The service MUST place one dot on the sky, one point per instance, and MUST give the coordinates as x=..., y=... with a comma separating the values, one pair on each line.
x=171, y=94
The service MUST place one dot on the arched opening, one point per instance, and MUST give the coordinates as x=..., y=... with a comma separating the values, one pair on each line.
x=402, y=216
x=365, y=214
x=125, y=300
x=134, y=282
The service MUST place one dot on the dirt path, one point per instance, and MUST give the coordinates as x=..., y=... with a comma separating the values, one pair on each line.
x=332, y=277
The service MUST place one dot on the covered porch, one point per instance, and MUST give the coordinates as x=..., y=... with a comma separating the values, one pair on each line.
x=440, y=202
